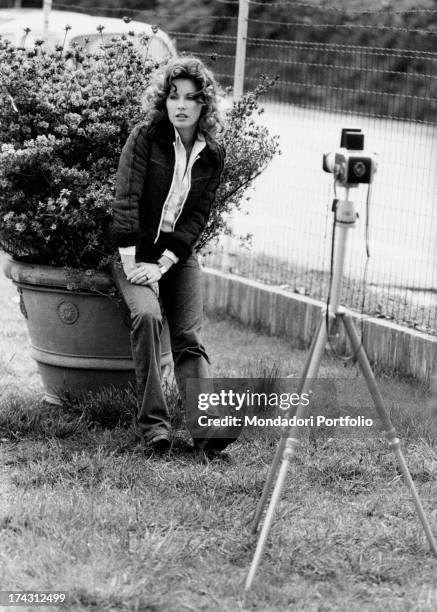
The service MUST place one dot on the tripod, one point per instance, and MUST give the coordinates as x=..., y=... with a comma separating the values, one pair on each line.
x=345, y=217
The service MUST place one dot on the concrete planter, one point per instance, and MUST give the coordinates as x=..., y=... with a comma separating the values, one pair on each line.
x=79, y=337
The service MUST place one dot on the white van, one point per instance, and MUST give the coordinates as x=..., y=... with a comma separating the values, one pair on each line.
x=14, y=21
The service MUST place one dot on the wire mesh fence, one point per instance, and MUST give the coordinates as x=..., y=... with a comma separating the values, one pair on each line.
x=340, y=65
x=290, y=209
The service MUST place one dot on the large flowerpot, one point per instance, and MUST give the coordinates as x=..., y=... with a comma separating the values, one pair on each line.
x=78, y=327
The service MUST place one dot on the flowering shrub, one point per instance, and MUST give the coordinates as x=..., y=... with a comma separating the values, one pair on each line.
x=64, y=120
x=249, y=149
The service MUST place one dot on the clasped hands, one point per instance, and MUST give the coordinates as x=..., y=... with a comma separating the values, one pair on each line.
x=144, y=274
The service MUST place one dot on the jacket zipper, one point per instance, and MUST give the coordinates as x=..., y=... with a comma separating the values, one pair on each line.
x=185, y=199
x=163, y=208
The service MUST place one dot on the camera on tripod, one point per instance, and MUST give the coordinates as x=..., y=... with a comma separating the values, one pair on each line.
x=350, y=165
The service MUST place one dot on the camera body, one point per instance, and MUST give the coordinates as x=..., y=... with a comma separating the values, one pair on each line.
x=350, y=164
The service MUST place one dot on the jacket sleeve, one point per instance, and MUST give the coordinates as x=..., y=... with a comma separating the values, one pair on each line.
x=131, y=174
x=187, y=233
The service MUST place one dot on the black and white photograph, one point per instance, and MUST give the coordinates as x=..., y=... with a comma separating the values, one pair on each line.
x=218, y=305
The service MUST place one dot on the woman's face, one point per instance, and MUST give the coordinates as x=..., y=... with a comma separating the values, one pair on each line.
x=182, y=106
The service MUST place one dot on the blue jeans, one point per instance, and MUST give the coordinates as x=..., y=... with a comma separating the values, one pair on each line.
x=180, y=301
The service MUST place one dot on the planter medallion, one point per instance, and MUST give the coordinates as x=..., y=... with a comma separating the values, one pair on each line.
x=68, y=312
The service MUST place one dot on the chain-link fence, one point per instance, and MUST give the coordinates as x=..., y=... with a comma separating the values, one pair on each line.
x=338, y=66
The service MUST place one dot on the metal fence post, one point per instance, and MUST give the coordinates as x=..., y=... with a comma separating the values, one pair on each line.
x=240, y=55
x=240, y=61
x=46, y=8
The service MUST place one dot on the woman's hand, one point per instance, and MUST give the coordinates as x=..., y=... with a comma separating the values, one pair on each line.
x=144, y=274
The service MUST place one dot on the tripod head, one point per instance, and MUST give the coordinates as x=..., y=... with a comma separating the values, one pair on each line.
x=344, y=210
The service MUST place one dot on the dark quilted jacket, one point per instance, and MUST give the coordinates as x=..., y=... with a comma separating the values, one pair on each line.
x=144, y=176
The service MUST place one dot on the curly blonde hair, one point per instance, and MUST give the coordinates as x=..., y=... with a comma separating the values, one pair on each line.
x=186, y=67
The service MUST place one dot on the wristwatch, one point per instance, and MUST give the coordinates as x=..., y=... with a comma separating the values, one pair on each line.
x=161, y=267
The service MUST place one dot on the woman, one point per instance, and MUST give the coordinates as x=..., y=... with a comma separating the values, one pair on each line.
x=168, y=174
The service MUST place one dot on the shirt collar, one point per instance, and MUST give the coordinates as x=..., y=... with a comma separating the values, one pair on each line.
x=199, y=137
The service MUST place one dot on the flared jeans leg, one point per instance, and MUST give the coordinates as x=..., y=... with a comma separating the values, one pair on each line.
x=146, y=327
x=181, y=295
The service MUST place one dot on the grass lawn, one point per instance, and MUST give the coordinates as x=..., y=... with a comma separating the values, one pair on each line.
x=82, y=508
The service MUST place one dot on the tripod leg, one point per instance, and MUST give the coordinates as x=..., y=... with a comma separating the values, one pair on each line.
x=268, y=483
x=289, y=451
x=390, y=432
x=318, y=344
x=286, y=450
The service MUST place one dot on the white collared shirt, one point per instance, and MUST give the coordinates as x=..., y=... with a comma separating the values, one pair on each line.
x=181, y=183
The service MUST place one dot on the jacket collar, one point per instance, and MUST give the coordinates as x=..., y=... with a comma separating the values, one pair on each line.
x=165, y=136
